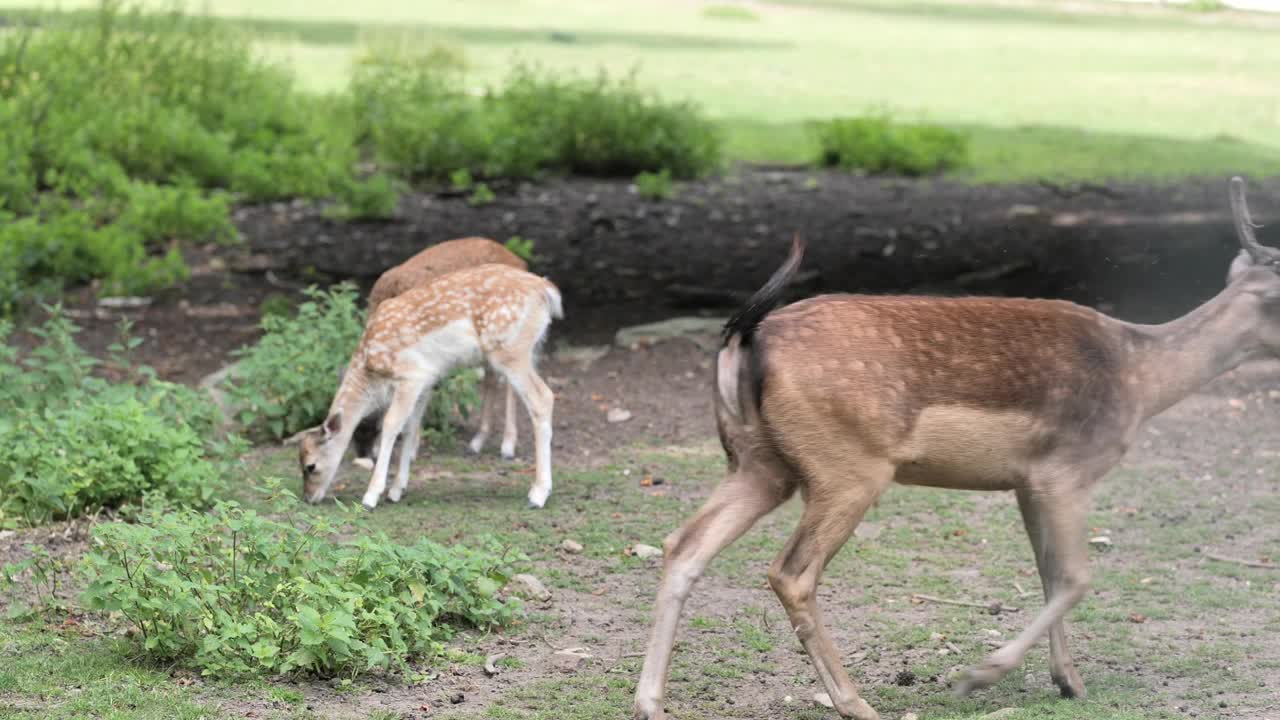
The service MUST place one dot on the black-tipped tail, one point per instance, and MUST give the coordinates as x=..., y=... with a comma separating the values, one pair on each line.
x=743, y=323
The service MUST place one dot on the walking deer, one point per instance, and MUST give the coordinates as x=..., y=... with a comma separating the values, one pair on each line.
x=840, y=395
x=420, y=269
x=493, y=313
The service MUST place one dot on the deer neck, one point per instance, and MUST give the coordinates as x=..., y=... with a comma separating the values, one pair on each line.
x=1177, y=358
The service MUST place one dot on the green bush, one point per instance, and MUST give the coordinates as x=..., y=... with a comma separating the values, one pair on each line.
x=876, y=144
x=286, y=381
x=374, y=198
x=655, y=186
x=414, y=111
x=611, y=127
x=126, y=122
x=72, y=442
x=233, y=593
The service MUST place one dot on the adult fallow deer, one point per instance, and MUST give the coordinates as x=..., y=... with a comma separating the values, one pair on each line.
x=840, y=395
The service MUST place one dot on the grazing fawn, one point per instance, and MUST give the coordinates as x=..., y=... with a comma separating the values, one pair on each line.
x=420, y=269
x=840, y=395
x=491, y=313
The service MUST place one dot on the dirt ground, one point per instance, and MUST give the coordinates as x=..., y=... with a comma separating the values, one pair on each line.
x=1203, y=478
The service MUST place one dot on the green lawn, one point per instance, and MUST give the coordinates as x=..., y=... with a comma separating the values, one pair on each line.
x=1209, y=649
x=1094, y=91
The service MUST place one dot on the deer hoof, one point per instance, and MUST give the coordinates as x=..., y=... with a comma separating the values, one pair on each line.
x=369, y=502
x=1070, y=685
x=858, y=709
x=393, y=495
x=476, y=444
x=977, y=678
x=647, y=710
x=363, y=462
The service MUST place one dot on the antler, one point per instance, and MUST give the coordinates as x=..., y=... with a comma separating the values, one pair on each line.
x=1244, y=223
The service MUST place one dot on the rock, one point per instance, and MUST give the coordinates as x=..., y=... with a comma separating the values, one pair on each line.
x=532, y=587
x=618, y=415
x=584, y=356
x=788, y=699
x=867, y=531
x=703, y=331
x=824, y=700
x=911, y=716
x=6, y=534
x=645, y=551
x=1102, y=542
x=572, y=547
x=570, y=659
x=457, y=698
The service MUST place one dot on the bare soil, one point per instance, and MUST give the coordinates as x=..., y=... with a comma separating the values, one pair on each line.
x=1142, y=253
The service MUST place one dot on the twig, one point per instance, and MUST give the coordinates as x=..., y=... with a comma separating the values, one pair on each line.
x=1021, y=593
x=995, y=608
x=1239, y=561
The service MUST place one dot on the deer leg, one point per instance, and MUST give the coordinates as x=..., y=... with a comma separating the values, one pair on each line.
x=1061, y=667
x=539, y=401
x=1059, y=520
x=509, y=428
x=832, y=510
x=410, y=440
x=393, y=421
x=732, y=509
x=488, y=399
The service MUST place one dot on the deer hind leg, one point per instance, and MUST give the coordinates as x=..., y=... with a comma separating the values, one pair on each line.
x=393, y=422
x=509, y=428
x=488, y=400
x=744, y=497
x=1061, y=668
x=539, y=401
x=833, y=508
x=1058, y=513
x=410, y=440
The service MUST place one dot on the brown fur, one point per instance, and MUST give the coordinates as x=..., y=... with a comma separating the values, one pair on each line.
x=437, y=260
x=840, y=395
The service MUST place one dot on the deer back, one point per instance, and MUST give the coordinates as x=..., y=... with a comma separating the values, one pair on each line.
x=438, y=260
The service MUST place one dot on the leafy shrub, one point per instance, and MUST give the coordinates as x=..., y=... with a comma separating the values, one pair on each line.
x=125, y=121
x=374, y=198
x=611, y=127
x=522, y=247
x=481, y=195
x=72, y=443
x=234, y=593
x=655, y=186
x=286, y=381
x=878, y=145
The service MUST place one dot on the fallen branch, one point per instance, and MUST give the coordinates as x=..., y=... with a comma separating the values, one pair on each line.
x=490, y=668
x=995, y=608
x=1240, y=561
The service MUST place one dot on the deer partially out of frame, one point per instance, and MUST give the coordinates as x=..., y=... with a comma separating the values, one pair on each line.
x=420, y=269
x=840, y=395
x=491, y=313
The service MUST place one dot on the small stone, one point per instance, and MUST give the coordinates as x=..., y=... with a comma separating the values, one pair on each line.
x=457, y=698
x=788, y=699
x=570, y=659
x=532, y=587
x=572, y=547
x=1102, y=542
x=643, y=551
x=992, y=632
x=618, y=415
x=824, y=700
x=911, y=716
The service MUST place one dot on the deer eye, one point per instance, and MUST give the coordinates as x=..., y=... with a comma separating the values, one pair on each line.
x=310, y=468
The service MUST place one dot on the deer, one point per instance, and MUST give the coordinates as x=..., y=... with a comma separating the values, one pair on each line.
x=422, y=268
x=840, y=395
x=492, y=313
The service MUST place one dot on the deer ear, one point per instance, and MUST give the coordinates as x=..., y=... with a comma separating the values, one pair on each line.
x=332, y=425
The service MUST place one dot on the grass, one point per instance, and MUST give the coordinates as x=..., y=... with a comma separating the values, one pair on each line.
x=1092, y=91
x=735, y=642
